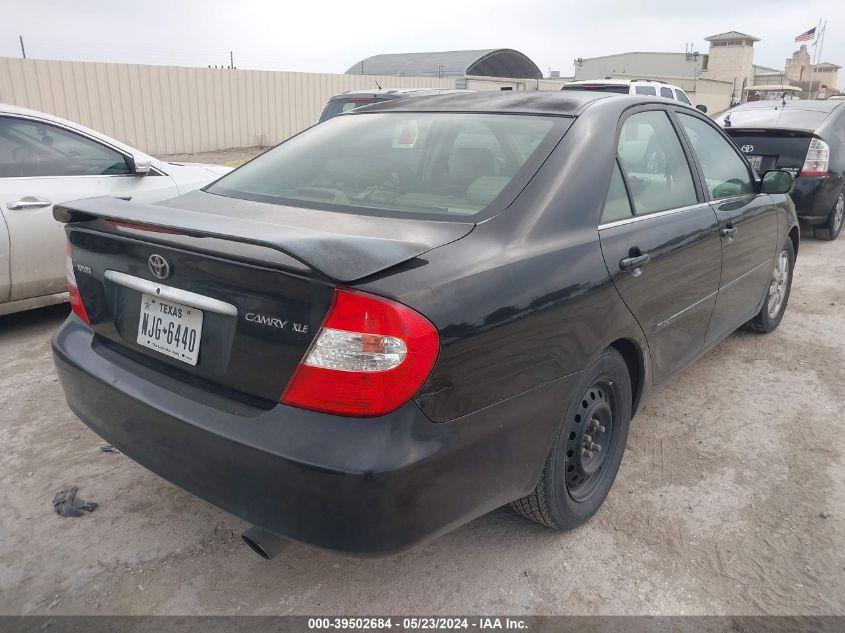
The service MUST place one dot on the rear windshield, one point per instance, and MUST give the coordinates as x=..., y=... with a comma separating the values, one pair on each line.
x=443, y=164
x=622, y=90
x=339, y=106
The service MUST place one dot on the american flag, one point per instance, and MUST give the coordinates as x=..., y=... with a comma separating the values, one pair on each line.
x=806, y=35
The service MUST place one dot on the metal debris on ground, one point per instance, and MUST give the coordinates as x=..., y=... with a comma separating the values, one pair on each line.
x=66, y=503
x=108, y=448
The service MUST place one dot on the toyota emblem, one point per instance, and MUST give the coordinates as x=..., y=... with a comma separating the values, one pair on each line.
x=747, y=148
x=159, y=266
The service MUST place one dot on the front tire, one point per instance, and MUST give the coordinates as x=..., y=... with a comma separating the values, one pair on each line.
x=777, y=293
x=587, y=450
x=834, y=224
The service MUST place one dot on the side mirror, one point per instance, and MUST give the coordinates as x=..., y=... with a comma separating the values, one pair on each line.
x=701, y=108
x=777, y=181
x=139, y=164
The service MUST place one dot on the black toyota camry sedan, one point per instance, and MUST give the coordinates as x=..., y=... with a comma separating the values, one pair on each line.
x=808, y=139
x=422, y=310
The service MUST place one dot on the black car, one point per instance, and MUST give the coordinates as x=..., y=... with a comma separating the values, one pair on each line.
x=417, y=312
x=808, y=139
x=351, y=99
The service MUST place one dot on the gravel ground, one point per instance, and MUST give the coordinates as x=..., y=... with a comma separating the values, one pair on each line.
x=231, y=157
x=730, y=500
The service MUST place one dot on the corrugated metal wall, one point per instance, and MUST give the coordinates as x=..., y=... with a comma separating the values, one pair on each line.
x=174, y=110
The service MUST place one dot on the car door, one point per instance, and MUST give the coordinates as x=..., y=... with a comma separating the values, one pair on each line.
x=660, y=240
x=42, y=164
x=748, y=224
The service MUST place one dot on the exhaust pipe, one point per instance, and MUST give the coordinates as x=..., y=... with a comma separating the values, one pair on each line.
x=262, y=542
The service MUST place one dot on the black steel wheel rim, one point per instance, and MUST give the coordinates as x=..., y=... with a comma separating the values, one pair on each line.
x=591, y=440
x=838, y=212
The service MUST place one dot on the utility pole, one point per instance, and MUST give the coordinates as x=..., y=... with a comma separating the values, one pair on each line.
x=231, y=60
x=23, y=50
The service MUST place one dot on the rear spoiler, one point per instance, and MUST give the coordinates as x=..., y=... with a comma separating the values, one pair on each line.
x=350, y=247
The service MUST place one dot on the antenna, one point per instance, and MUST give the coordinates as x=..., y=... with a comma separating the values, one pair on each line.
x=378, y=84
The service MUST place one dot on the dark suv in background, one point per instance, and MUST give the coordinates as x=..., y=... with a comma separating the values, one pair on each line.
x=806, y=138
x=352, y=99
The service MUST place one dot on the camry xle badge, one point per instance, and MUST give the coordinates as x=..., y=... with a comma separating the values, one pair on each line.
x=159, y=266
x=276, y=322
x=747, y=148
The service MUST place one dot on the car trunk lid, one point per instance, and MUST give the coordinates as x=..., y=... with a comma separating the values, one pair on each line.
x=244, y=291
x=773, y=148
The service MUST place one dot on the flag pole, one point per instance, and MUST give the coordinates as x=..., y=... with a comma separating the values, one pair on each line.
x=812, y=64
x=819, y=51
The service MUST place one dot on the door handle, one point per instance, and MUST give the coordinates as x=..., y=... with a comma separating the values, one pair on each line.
x=634, y=263
x=728, y=231
x=28, y=202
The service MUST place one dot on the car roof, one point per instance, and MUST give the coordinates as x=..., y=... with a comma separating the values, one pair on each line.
x=548, y=102
x=620, y=82
x=799, y=115
x=395, y=93
x=817, y=105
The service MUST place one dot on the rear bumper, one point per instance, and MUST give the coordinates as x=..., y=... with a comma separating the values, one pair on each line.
x=814, y=198
x=375, y=485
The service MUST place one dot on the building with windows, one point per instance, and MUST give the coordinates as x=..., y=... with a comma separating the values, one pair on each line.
x=731, y=58
x=725, y=73
x=640, y=65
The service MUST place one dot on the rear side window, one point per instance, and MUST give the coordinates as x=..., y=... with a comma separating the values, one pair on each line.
x=724, y=171
x=339, y=106
x=441, y=164
x=666, y=92
x=654, y=163
x=682, y=97
x=647, y=90
x=617, y=206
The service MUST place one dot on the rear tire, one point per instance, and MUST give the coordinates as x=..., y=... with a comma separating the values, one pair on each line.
x=587, y=450
x=834, y=224
x=777, y=293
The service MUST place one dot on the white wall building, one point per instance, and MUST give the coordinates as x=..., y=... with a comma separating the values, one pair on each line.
x=731, y=58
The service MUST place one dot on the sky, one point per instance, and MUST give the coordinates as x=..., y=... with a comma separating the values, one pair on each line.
x=331, y=35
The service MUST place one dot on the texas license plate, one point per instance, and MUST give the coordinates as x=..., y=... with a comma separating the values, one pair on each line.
x=756, y=161
x=170, y=328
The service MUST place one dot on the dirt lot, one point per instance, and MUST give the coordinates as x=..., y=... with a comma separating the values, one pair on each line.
x=231, y=157
x=730, y=500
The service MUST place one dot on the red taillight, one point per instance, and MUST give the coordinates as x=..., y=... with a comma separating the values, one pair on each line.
x=817, y=161
x=72, y=289
x=369, y=358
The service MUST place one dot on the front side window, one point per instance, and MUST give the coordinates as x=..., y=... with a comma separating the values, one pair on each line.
x=445, y=164
x=724, y=171
x=654, y=163
x=682, y=97
x=647, y=90
x=666, y=92
x=34, y=149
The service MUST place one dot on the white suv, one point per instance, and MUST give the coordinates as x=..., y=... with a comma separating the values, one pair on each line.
x=633, y=87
